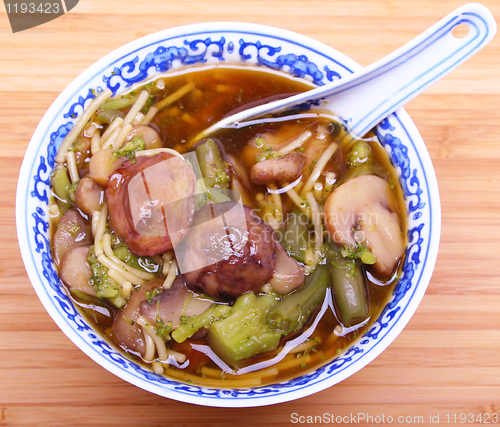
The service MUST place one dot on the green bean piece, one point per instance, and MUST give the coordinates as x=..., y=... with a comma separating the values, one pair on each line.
x=117, y=103
x=294, y=310
x=60, y=183
x=217, y=196
x=295, y=235
x=211, y=165
x=107, y=116
x=349, y=287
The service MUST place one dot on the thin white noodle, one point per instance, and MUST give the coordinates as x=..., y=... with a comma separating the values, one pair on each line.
x=110, y=140
x=54, y=210
x=154, y=151
x=309, y=257
x=138, y=118
x=117, y=277
x=267, y=288
x=318, y=226
x=104, y=260
x=72, y=169
x=179, y=357
x=306, y=345
x=270, y=219
x=159, y=343
x=158, y=368
x=318, y=191
x=149, y=353
x=149, y=116
x=301, y=204
x=127, y=288
x=172, y=274
x=116, y=122
x=296, y=143
x=96, y=215
x=167, y=258
x=330, y=178
x=99, y=232
x=106, y=245
x=278, y=209
x=120, y=139
x=175, y=96
x=80, y=124
x=138, y=104
x=318, y=168
x=136, y=272
x=91, y=130
x=95, y=143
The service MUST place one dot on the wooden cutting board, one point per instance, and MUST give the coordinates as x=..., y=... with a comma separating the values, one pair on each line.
x=447, y=360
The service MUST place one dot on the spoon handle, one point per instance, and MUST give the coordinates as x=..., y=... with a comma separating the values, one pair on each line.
x=383, y=87
x=367, y=96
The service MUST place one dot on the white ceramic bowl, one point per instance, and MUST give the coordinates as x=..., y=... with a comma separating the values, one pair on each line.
x=219, y=43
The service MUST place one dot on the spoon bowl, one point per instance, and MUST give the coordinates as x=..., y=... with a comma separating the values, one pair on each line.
x=368, y=96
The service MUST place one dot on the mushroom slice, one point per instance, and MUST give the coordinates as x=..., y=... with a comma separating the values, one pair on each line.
x=288, y=273
x=172, y=304
x=75, y=270
x=279, y=170
x=127, y=331
x=88, y=195
x=147, y=133
x=71, y=231
x=364, y=210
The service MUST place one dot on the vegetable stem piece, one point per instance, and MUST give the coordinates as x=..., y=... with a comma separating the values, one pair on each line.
x=294, y=310
x=60, y=183
x=195, y=323
x=211, y=165
x=349, y=287
x=295, y=235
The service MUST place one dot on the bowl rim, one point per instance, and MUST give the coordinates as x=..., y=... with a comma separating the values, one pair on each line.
x=98, y=67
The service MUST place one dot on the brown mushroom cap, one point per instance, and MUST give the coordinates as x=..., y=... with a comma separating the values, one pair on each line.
x=279, y=170
x=364, y=210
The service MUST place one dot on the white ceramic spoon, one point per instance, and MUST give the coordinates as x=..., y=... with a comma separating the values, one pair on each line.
x=366, y=97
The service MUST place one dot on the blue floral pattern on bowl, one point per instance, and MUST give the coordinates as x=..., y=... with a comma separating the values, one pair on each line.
x=220, y=46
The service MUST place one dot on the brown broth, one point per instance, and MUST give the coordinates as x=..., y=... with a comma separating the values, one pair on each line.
x=218, y=92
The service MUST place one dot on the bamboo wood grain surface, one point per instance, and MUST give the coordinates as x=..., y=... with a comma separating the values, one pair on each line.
x=446, y=361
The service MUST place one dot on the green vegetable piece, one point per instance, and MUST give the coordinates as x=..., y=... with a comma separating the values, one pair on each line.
x=195, y=323
x=295, y=235
x=211, y=165
x=60, y=183
x=244, y=332
x=143, y=263
x=360, y=162
x=130, y=148
x=104, y=285
x=359, y=154
x=349, y=287
x=217, y=196
x=358, y=251
x=295, y=309
x=108, y=116
x=117, y=103
x=266, y=155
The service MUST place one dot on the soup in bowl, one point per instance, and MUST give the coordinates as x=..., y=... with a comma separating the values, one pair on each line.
x=264, y=263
